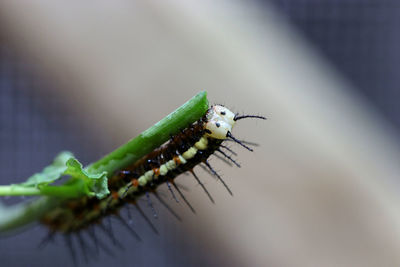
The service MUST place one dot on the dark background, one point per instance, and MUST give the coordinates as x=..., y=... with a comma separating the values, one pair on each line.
x=360, y=38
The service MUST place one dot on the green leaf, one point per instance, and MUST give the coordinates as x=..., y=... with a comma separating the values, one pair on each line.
x=95, y=184
x=81, y=182
x=51, y=173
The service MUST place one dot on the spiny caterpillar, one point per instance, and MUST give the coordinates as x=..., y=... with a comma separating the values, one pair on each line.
x=185, y=150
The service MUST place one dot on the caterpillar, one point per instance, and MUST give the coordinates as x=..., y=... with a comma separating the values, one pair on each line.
x=189, y=148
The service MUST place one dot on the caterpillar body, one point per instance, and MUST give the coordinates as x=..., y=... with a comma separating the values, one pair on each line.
x=185, y=150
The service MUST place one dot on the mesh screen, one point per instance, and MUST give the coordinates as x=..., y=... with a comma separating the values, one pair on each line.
x=361, y=38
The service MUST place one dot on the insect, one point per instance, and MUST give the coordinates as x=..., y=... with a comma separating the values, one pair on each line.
x=184, y=151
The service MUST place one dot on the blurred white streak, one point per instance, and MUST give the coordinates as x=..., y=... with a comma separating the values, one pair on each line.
x=322, y=188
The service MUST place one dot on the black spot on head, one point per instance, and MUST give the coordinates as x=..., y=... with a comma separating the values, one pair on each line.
x=223, y=113
x=217, y=124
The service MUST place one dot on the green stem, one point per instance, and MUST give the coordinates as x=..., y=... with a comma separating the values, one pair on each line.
x=62, y=191
x=15, y=190
x=19, y=215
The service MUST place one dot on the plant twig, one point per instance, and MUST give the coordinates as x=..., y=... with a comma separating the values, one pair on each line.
x=15, y=190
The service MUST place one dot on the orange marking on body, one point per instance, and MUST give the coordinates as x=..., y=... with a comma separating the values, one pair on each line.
x=135, y=182
x=114, y=195
x=177, y=160
x=156, y=171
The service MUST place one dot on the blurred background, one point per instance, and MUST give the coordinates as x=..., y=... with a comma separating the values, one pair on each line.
x=320, y=190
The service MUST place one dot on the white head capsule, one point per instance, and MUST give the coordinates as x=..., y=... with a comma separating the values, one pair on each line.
x=219, y=122
x=224, y=113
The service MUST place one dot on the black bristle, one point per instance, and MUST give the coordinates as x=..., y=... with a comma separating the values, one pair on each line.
x=151, y=205
x=98, y=243
x=126, y=190
x=238, y=141
x=92, y=235
x=127, y=226
x=227, y=162
x=146, y=218
x=111, y=236
x=70, y=245
x=229, y=149
x=172, y=192
x=83, y=247
x=219, y=177
x=248, y=116
x=243, y=142
x=202, y=186
x=47, y=239
x=167, y=206
x=182, y=196
x=228, y=157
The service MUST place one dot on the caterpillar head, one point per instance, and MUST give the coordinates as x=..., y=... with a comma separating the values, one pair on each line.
x=220, y=121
